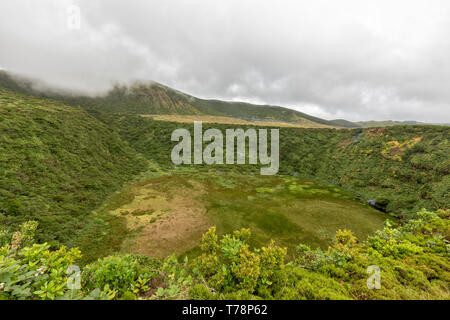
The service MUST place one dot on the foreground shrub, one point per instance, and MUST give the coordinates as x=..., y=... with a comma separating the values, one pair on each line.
x=119, y=272
x=413, y=261
x=229, y=265
x=36, y=272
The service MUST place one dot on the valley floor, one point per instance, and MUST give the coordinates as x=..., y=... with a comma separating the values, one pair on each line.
x=167, y=213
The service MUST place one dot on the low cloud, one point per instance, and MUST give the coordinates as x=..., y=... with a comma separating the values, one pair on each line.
x=358, y=60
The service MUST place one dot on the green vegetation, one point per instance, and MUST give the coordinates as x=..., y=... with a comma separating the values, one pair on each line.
x=413, y=261
x=57, y=164
x=387, y=123
x=97, y=189
x=232, y=271
x=403, y=168
x=286, y=209
x=155, y=98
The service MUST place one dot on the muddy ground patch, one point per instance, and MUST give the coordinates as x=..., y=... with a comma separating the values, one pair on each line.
x=162, y=222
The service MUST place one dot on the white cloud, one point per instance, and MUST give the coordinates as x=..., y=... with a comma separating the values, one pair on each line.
x=350, y=58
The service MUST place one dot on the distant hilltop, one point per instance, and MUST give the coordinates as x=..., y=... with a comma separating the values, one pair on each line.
x=153, y=98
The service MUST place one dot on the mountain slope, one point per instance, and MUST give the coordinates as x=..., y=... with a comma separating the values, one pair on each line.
x=57, y=163
x=155, y=98
x=345, y=123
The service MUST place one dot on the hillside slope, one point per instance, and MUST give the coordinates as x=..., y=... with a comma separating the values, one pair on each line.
x=57, y=163
x=405, y=168
x=386, y=123
x=155, y=98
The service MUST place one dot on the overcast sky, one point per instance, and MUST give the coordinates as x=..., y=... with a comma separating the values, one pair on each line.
x=358, y=60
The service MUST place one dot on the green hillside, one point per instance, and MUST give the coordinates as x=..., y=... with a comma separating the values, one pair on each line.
x=405, y=168
x=386, y=123
x=158, y=99
x=57, y=163
x=252, y=112
x=345, y=123
x=155, y=98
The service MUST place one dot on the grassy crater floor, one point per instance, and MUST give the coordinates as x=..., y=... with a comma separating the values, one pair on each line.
x=167, y=213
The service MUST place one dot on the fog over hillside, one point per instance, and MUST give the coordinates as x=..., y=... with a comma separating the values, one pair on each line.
x=355, y=60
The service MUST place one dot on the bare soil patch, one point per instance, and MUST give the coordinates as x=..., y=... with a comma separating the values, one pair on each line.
x=173, y=224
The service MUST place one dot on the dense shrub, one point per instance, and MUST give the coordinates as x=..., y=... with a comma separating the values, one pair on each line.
x=413, y=260
x=57, y=164
x=36, y=272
